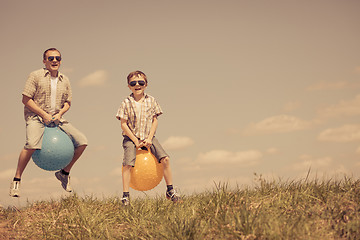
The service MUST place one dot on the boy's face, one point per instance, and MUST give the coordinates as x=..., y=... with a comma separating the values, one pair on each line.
x=137, y=85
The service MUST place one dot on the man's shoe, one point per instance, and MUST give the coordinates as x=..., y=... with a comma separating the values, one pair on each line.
x=125, y=201
x=173, y=195
x=65, y=180
x=15, y=189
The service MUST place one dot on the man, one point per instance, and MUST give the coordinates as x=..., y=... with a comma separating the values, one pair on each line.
x=47, y=97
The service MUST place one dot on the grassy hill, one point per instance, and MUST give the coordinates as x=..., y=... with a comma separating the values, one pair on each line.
x=328, y=209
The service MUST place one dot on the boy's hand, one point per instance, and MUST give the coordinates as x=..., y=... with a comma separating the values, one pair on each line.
x=137, y=144
x=147, y=143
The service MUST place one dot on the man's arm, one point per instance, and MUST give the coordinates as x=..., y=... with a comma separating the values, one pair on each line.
x=30, y=104
x=56, y=118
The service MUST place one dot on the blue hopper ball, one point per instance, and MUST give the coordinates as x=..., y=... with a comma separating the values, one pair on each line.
x=56, y=152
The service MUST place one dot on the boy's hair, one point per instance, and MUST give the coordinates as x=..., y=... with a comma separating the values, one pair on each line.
x=50, y=49
x=136, y=73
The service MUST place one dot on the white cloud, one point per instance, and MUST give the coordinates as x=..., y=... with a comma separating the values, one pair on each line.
x=272, y=151
x=97, y=78
x=176, y=143
x=346, y=133
x=308, y=162
x=226, y=157
x=277, y=124
x=326, y=85
x=343, y=108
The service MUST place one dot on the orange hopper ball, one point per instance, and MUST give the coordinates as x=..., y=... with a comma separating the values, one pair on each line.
x=147, y=172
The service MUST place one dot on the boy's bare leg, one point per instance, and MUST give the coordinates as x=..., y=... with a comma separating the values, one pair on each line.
x=167, y=170
x=126, y=178
x=24, y=159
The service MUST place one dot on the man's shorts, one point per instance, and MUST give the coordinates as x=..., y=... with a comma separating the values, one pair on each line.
x=130, y=151
x=35, y=132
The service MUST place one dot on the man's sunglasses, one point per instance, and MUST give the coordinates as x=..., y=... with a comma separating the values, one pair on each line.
x=141, y=83
x=51, y=58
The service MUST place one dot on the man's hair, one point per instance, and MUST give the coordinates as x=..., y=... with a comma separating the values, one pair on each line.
x=136, y=73
x=50, y=49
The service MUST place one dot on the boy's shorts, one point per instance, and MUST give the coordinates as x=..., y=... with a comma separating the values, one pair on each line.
x=35, y=132
x=130, y=151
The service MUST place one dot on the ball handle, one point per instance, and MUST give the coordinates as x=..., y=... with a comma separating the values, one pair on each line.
x=144, y=148
x=51, y=125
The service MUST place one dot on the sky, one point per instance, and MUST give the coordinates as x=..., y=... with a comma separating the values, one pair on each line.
x=247, y=88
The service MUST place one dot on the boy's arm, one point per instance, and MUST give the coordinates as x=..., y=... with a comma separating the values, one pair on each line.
x=148, y=141
x=129, y=133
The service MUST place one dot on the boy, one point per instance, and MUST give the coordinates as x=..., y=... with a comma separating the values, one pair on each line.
x=47, y=97
x=138, y=115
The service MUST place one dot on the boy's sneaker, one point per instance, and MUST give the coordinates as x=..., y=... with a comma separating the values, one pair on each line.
x=15, y=189
x=125, y=201
x=173, y=195
x=65, y=180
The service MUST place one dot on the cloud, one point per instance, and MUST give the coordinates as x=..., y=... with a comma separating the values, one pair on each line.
x=346, y=133
x=277, y=124
x=97, y=78
x=225, y=157
x=176, y=143
x=343, y=108
x=323, y=167
x=326, y=85
x=272, y=151
x=308, y=161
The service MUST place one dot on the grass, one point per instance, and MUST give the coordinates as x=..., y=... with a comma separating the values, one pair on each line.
x=327, y=209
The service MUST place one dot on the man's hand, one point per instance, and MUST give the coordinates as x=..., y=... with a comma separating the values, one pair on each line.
x=47, y=119
x=56, y=119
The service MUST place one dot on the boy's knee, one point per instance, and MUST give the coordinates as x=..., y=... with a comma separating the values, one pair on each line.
x=165, y=160
x=126, y=168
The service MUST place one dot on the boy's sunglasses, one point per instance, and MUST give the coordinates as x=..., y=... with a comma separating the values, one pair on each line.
x=141, y=83
x=51, y=58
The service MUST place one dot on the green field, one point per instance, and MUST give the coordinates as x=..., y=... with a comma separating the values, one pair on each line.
x=304, y=209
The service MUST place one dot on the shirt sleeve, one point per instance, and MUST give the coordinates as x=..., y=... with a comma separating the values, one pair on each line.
x=69, y=97
x=30, y=86
x=157, y=108
x=122, y=112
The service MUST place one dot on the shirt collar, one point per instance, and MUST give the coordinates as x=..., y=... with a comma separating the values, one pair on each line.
x=132, y=96
x=47, y=72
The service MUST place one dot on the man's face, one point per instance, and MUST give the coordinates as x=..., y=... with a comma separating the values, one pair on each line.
x=52, y=61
